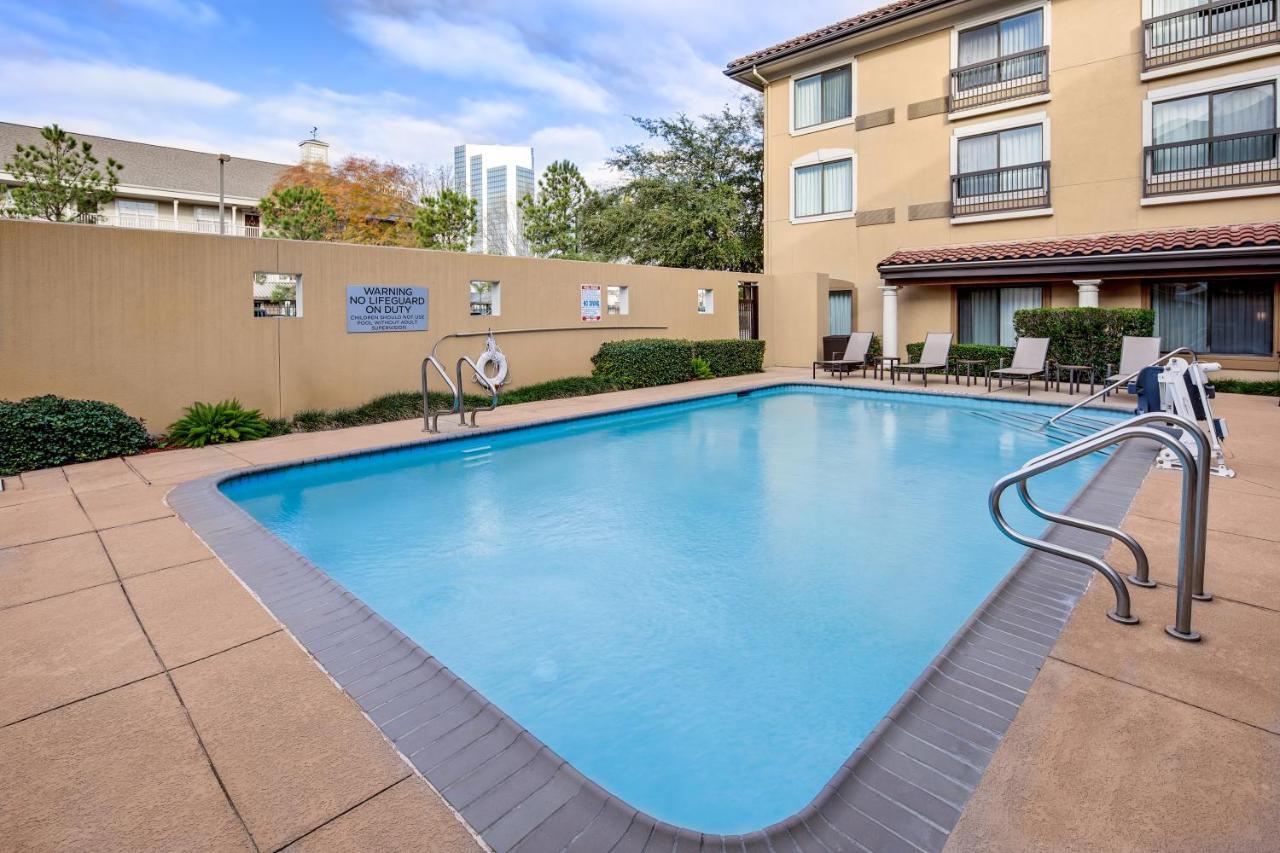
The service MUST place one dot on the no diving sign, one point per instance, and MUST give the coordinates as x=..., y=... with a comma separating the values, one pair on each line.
x=377, y=308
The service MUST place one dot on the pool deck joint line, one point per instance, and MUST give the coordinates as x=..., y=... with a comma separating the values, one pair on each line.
x=903, y=788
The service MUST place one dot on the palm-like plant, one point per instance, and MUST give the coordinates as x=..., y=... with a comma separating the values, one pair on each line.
x=216, y=423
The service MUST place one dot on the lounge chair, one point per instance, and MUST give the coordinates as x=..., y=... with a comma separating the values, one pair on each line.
x=1135, y=354
x=937, y=347
x=855, y=356
x=1030, y=359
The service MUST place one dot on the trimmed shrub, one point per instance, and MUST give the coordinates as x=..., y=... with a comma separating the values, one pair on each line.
x=1260, y=388
x=1084, y=335
x=983, y=352
x=731, y=357
x=557, y=389
x=217, y=423
x=42, y=432
x=643, y=362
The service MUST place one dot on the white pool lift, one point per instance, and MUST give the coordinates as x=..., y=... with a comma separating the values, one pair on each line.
x=1185, y=390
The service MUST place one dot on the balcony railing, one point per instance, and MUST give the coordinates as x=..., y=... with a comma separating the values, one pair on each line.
x=1215, y=28
x=158, y=223
x=1238, y=160
x=1018, y=75
x=1003, y=190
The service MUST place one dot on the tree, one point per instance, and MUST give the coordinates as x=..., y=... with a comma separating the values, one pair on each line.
x=61, y=179
x=446, y=221
x=373, y=201
x=695, y=199
x=554, y=221
x=298, y=213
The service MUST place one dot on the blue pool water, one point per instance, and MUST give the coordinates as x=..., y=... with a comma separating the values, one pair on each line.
x=706, y=607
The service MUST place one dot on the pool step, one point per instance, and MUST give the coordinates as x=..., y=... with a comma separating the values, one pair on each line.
x=1065, y=430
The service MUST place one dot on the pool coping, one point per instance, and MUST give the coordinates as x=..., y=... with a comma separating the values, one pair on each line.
x=902, y=788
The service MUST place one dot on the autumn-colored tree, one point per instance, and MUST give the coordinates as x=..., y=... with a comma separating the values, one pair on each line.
x=373, y=200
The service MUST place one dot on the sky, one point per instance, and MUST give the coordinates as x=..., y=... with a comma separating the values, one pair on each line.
x=398, y=80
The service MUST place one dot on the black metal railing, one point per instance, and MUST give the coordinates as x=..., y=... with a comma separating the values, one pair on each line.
x=1024, y=187
x=1214, y=28
x=1018, y=75
x=1221, y=162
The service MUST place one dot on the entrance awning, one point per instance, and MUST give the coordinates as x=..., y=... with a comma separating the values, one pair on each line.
x=1229, y=248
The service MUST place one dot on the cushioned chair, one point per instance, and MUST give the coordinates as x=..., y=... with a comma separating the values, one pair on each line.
x=855, y=356
x=937, y=348
x=1030, y=359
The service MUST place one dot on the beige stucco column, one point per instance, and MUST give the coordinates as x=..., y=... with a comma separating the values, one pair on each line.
x=1088, y=292
x=890, y=318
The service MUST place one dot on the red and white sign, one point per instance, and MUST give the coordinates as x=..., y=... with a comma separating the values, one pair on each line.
x=590, y=303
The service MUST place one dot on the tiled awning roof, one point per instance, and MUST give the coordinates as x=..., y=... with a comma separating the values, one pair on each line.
x=865, y=21
x=1093, y=245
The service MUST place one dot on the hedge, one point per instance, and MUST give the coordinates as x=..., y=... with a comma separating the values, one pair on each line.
x=1260, y=388
x=988, y=353
x=644, y=362
x=731, y=357
x=43, y=432
x=1084, y=335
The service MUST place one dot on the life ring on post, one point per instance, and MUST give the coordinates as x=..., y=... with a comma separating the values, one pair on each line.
x=492, y=357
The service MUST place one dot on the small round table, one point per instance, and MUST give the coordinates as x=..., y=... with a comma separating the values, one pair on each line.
x=1075, y=376
x=892, y=361
x=969, y=365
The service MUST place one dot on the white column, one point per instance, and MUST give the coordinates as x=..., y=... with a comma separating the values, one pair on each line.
x=890, y=318
x=232, y=228
x=175, y=214
x=1088, y=292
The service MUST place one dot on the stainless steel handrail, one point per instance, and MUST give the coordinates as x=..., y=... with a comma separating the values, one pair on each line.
x=1190, y=516
x=1113, y=386
x=1201, y=485
x=1142, y=566
x=457, y=394
x=430, y=419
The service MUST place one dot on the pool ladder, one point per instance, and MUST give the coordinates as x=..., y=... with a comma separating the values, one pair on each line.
x=1192, y=525
x=430, y=416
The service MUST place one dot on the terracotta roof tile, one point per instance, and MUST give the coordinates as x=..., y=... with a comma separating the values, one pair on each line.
x=858, y=22
x=1217, y=237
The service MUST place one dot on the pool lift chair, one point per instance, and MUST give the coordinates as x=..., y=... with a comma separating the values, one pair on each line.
x=1182, y=388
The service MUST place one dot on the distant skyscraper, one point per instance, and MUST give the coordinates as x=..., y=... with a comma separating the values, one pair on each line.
x=497, y=177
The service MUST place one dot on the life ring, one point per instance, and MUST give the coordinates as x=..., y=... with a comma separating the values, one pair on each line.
x=492, y=356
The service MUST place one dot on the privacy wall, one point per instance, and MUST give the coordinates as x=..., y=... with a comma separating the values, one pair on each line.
x=154, y=320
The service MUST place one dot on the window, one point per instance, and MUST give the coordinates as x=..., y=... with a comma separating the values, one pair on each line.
x=618, y=300
x=824, y=188
x=985, y=314
x=207, y=220
x=1231, y=317
x=1203, y=18
x=1214, y=129
x=706, y=301
x=486, y=299
x=1001, y=51
x=139, y=214
x=277, y=294
x=840, y=312
x=1003, y=161
x=823, y=98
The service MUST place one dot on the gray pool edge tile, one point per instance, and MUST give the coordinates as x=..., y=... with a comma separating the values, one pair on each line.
x=947, y=708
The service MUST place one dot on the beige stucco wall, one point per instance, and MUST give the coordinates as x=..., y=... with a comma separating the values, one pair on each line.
x=155, y=320
x=1095, y=114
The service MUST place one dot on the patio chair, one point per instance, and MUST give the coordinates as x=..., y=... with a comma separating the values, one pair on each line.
x=1135, y=354
x=855, y=356
x=937, y=347
x=1030, y=359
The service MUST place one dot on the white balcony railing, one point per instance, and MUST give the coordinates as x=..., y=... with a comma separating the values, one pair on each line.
x=161, y=223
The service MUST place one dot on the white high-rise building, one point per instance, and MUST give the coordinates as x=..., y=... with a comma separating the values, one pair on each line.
x=497, y=177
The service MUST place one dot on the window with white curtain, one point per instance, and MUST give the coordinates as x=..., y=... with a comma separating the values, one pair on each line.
x=137, y=214
x=982, y=51
x=840, y=312
x=1230, y=317
x=985, y=314
x=1202, y=18
x=824, y=188
x=823, y=98
x=1215, y=129
x=1003, y=161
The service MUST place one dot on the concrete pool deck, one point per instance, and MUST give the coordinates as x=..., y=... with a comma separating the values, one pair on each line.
x=147, y=701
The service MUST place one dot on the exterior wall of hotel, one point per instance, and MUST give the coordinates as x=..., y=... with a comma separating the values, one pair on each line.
x=1096, y=142
x=186, y=213
x=155, y=320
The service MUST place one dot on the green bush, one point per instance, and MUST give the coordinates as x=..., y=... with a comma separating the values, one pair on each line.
x=216, y=423
x=43, y=432
x=700, y=368
x=731, y=357
x=1260, y=388
x=557, y=389
x=1084, y=335
x=644, y=362
x=983, y=352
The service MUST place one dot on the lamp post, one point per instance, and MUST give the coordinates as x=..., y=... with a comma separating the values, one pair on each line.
x=222, y=222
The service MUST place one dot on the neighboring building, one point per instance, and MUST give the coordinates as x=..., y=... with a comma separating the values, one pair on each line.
x=947, y=162
x=497, y=177
x=173, y=189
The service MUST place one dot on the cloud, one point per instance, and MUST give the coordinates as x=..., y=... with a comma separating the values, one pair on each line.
x=584, y=145
x=189, y=12
x=75, y=81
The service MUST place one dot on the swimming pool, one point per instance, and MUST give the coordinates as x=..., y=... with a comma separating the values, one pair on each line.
x=704, y=607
